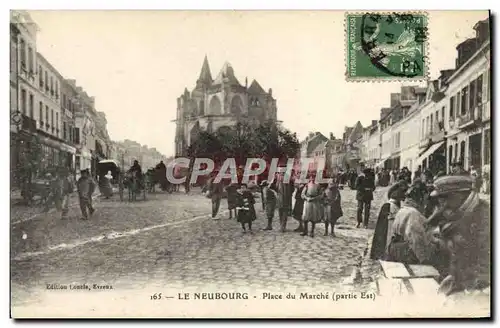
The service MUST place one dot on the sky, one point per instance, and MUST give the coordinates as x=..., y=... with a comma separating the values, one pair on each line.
x=136, y=63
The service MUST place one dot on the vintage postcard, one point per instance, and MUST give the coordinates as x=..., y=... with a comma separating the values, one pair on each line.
x=250, y=164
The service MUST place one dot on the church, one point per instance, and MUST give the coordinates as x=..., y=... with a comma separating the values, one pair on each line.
x=220, y=103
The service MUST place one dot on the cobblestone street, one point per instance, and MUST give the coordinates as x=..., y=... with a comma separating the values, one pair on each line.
x=170, y=241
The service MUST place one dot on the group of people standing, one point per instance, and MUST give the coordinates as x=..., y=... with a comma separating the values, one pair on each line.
x=313, y=203
x=440, y=222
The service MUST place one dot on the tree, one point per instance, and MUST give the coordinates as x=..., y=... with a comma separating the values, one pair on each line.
x=245, y=141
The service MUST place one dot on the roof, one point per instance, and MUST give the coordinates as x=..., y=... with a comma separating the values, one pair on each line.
x=226, y=72
x=255, y=88
x=357, y=127
x=205, y=75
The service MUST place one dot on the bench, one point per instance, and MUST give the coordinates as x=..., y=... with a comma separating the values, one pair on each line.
x=403, y=279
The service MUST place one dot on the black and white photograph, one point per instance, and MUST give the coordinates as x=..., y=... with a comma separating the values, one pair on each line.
x=250, y=164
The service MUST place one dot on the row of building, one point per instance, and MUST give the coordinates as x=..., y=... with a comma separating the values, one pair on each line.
x=445, y=122
x=53, y=115
x=127, y=151
x=49, y=110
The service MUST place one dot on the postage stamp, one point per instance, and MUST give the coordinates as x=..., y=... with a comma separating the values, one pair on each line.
x=386, y=46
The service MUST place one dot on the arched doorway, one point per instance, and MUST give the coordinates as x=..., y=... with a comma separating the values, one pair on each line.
x=236, y=105
x=215, y=106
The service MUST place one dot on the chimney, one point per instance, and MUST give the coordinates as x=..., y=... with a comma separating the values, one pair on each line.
x=395, y=99
x=270, y=92
x=311, y=134
x=374, y=122
x=332, y=137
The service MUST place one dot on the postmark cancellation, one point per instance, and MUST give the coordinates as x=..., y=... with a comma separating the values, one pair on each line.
x=386, y=46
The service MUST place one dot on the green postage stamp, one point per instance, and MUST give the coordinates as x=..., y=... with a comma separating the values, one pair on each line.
x=386, y=46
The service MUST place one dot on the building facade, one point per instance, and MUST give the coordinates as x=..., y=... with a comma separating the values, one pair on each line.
x=218, y=103
x=468, y=102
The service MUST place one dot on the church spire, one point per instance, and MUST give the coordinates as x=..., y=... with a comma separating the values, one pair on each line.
x=205, y=75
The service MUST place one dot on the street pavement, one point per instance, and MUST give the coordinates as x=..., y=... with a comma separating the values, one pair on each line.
x=170, y=240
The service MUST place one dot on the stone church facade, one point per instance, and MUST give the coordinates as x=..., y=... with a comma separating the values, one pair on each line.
x=220, y=103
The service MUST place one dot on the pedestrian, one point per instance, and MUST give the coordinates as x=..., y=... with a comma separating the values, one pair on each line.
x=462, y=225
x=365, y=185
x=213, y=190
x=313, y=207
x=270, y=196
x=333, y=206
x=86, y=187
x=298, y=208
x=106, y=189
x=410, y=242
x=284, y=200
x=245, y=207
x=386, y=216
x=231, y=190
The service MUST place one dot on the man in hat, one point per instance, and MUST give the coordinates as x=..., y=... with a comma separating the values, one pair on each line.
x=462, y=224
x=381, y=236
x=86, y=187
x=214, y=190
x=365, y=185
x=284, y=191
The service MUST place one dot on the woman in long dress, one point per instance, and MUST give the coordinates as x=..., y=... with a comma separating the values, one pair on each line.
x=105, y=185
x=313, y=207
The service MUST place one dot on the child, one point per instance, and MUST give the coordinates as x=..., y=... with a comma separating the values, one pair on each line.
x=333, y=207
x=245, y=207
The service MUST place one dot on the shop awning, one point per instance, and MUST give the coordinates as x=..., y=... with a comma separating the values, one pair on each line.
x=429, y=152
x=381, y=163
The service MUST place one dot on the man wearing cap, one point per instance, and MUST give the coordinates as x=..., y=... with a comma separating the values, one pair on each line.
x=462, y=224
x=381, y=236
x=365, y=185
x=86, y=187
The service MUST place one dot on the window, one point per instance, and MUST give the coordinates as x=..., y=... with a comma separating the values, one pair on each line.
x=13, y=56
x=23, y=101
x=487, y=80
x=64, y=131
x=462, y=153
x=76, y=135
x=31, y=65
x=57, y=89
x=487, y=146
x=432, y=123
x=423, y=128
x=464, y=103
x=442, y=113
x=472, y=95
x=40, y=112
x=47, y=116
x=46, y=81
x=437, y=116
x=51, y=85
x=52, y=118
x=456, y=153
x=479, y=90
x=40, y=76
x=32, y=106
x=57, y=123
x=23, y=53
x=64, y=101
x=450, y=154
x=452, y=108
